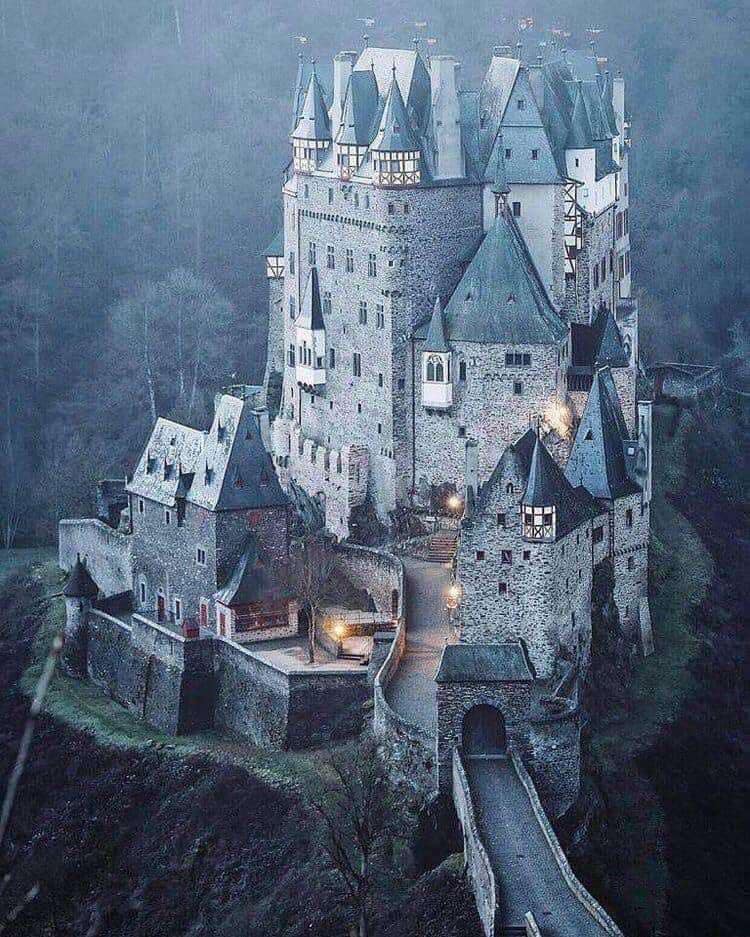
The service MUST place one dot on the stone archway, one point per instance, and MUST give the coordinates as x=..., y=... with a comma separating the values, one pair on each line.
x=483, y=731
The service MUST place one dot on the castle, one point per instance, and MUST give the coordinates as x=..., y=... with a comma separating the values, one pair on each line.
x=452, y=334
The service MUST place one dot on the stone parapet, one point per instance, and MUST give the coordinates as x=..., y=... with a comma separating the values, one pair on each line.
x=107, y=552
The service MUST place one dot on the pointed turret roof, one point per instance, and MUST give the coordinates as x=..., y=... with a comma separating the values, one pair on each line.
x=435, y=339
x=597, y=460
x=580, y=135
x=500, y=298
x=499, y=175
x=80, y=583
x=395, y=133
x=611, y=350
x=311, y=311
x=313, y=123
x=546, y=483
x=360, y=107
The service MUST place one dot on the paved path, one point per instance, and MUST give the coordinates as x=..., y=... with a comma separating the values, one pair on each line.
x=413, y=691
x=528, y=877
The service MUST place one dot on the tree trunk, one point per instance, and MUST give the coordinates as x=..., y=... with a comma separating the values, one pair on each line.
x=311, y=635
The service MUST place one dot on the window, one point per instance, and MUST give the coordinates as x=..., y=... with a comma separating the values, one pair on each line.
x=598, y=535
x=509, y=488
x=631, y=562
x=200, y=556
x=332, y=358
x=406, y=208
x=629, y=518
x=292, y=308
x=391, y=208
x=521, y=104
x=380, y=380
x=307, y=191
x=141, y=506
x=501, y=520
x=362, y=313
x=379, y=316
x=312, y=253
x=596, y=275
x=372, y=265
x=506, y=557
x=516, y=209
x=359, y=408
x=604, y=269
x=527, y=555
x=330, y=196
x=480, y=554
x=330, y=257
x=367, y=201
x=517, y=359
x=535, y=154
x=177, y=609
x=327, y=305
x=502, y=588
x=462, y=370
x=380, y=428
x=167, y=516
x=349, y=260
x=517, y=388
x=292, y=260
x=143, y=593
x=357, y=365
x=291, y=357
x=508, y=153
x=461, y=432
x=578, y=162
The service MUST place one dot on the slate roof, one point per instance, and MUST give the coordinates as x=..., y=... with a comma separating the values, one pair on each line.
x=80, y=584
x=598, y=457
x=500, y=298
x=521, y=169
x=515, y=461
x=411, y=75
x=496, y=170
x=395, y=132
x=598, y=344
x=581, y=133
x=313, y=122
x=484, y=663
x=324, y=72
x=229, y=465
x=276, y=246
x=252, y=580
x=359, y=111
x=311, y=310
x=548, y=486
x=435, y=339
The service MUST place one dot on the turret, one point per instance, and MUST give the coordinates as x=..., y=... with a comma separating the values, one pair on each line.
x=80, y=591
x=500, y=187
x=311, y=336
x=355, y=127
x=538, y=508
x=446, y=117
x=437, y=386
x=396, y=154
x=312, y=135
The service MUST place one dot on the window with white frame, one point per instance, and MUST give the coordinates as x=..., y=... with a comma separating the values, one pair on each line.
x=200, y=556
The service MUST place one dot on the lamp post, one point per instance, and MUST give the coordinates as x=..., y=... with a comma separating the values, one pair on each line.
x=452, y=601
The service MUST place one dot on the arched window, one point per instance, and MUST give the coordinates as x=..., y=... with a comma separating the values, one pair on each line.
x=509, y=488
x=439, y=372
x=430, y=369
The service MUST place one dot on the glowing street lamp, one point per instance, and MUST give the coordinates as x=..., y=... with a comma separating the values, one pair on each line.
x=453, y=596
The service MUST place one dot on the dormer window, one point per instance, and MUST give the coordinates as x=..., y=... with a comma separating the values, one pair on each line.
x=168, y=467
x=221, y=432
x=150, y=464
x=239, y=481
x=521, y=104
x=208, y=476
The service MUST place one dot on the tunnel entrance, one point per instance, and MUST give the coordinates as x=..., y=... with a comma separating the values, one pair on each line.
x=483, y=731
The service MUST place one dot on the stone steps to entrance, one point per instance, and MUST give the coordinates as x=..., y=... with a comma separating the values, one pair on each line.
x=441, y=547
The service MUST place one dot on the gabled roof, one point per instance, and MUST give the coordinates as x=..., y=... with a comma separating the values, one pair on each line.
x=493, y=97
x=313, y=122
x=522, y=168
x=484, y=663
x=435, y=338
x=311, y=310
x=253, y=580
x=548, y=486
x=597, y=460
x=500, y=298
x=359, y=110
x=395, y=132
x=80, y=584
x=514, y=462
x=226, y=468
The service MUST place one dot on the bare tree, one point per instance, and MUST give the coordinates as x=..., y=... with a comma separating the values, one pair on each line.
x=356, y=825
x=313, y=563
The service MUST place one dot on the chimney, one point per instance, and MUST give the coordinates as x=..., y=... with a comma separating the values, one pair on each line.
x=343, y=65
x=618, y=102
x=446, y=117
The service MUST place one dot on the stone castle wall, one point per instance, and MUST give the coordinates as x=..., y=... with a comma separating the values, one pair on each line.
x=378, y=573
x=107, y=552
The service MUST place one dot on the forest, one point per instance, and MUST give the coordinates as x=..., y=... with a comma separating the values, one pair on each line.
x=141, y=154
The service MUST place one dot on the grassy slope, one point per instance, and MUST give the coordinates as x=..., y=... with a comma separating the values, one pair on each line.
x=681, y=571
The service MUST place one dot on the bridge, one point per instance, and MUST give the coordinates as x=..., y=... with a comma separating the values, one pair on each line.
x=521, y=880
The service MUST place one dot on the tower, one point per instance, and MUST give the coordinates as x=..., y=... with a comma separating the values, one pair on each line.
x=79, y=592
x=437, y=386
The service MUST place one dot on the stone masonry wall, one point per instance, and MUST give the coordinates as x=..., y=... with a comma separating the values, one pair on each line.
x=630, y=558
x=107, y=552
x=379, y=573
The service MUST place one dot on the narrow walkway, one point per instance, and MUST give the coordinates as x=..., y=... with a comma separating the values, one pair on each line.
x=527, y=874
x=413, y=692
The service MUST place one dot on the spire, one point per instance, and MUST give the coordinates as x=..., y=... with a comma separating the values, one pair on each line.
x=500, y=185
x=395, y=133
x=80, y=585
x=580, y=135
x=545, y=478
x=435, y=338
x=311, y=311
x=313, y=123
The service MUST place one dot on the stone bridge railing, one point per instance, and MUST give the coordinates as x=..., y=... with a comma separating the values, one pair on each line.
x=478, y=865
x=590, y=903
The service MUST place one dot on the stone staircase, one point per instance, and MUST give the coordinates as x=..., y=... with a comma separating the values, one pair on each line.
x=441, y=546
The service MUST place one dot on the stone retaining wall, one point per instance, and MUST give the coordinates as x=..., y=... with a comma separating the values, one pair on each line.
x=379, y=573
x=476, y=860
x=107, y=552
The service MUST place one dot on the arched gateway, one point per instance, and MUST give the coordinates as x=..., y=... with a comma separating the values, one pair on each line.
x=483, y=731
